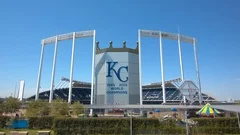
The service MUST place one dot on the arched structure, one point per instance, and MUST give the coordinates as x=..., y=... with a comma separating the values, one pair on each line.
x=171, y=36
x=124, y=65
x=55, y=39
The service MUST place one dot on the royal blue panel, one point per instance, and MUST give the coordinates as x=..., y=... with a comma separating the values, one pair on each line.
x=17, y=124
x=157, y=110
x=174, y=109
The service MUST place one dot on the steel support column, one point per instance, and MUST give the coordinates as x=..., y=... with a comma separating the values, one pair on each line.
x=71, y=70
x=162, y=67
x=53, y=70
x=93, y=85
x=39, y=72
x=180, y=57
x=140, y=65
x=197, y=70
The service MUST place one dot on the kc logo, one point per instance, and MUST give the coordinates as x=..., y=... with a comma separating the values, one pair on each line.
x=118, y=72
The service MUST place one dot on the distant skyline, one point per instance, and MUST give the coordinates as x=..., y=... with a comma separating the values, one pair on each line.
x=215, y=24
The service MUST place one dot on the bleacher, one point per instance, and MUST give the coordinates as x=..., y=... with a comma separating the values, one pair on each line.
x=78, y=94
x=152, y=94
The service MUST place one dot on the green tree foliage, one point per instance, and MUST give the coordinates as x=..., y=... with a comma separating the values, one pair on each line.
x=11, y=105
x=45, y=122
x=59, y=108
x=37, y=108
x=84, y=126
x=77, y=108
x=3, y=121
x=1, y=107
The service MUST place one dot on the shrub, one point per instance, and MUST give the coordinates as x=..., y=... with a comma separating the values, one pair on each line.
x=114, y=126
x=59, y=108
x=217, y=122
x=2, y=107
x=216, y=130
x=95, y=115
x=3, y=121
x=10, y=105
x=45, y=122
x=153, y=123
x=37, y=108
x=63, y=126
x=216, y=126
x=77, y=108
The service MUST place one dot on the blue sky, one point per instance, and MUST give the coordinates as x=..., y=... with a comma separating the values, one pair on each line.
x=214, y=23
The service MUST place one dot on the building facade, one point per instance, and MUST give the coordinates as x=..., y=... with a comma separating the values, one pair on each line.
x=117, y=76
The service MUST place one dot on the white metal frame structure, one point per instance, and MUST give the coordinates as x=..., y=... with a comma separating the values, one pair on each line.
x=172, y=36
x=190, y=91
x=55, y=39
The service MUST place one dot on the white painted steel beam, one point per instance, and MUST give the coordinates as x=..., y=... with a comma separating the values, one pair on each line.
x=167, y=35
x=71, y=69
x=73, y=35
x=53, y=70
x=197, y=70
x=93, y=89
x=162, y=68
x=180, y=57
x=140, y=65
x=81, y=34
x=40, y=72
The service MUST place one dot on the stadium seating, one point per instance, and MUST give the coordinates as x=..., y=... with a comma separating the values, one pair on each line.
x=150, y=94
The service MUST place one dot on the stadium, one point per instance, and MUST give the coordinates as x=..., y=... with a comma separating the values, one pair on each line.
x=116, y=76
x=152, y=94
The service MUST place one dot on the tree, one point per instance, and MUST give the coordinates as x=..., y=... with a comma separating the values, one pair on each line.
x=77, y=108
x=59, y=108
x=11, y=105
x=37, y=108
x=1, y=108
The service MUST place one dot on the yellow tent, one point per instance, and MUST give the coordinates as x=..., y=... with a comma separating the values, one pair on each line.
x=208, y=110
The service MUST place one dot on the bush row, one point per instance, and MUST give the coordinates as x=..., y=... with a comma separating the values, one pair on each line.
x=215, y=130
x=45, y=122
x=62, y=126
x=217, y=122
x=141, y=126
x=122, y=131
x=3, y=121
x=160, y=131
x=153, y=123
x=114, y=126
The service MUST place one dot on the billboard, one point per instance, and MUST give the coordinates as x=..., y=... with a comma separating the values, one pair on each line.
x=117, y=78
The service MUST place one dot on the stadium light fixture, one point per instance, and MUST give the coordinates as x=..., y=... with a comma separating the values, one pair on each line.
x=172, y=36
x=55, y=39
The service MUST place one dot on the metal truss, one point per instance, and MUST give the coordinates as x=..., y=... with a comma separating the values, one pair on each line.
x=175, y=82
x=67, y=36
